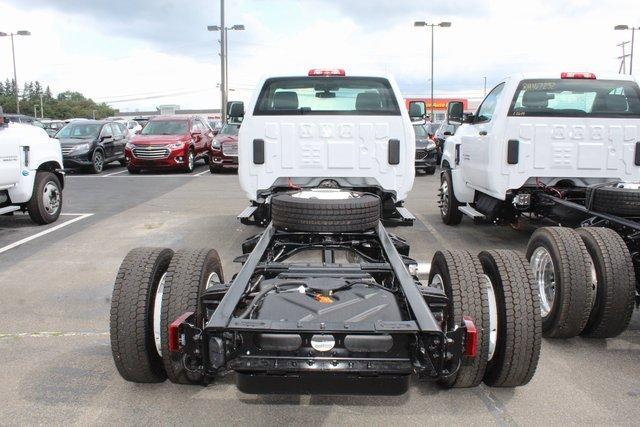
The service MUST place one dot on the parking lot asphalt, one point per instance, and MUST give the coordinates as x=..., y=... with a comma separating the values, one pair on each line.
x=55, y=291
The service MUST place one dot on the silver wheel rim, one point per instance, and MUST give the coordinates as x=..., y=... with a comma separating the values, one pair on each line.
x=157, y=314
x=545, y=277
x=493, y=318
x=190, y=161
x=212, y=280
x=98, y=161
x=51, y=198
x=594, y=279
x=444, y=197
x=437, y=282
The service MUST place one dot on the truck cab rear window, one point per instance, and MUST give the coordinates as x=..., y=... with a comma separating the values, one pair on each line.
x=327, y=96
x=576, y=98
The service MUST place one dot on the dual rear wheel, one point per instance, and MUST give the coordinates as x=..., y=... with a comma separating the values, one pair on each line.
x=586, y=281
x=153, y=287
x=496, y=290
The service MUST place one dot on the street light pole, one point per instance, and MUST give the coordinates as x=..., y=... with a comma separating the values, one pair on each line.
x=425, y=24
x=432, y=113
x=15, y=76
x=224, y=71
x=13, y=54
x=633, y=33
x=223, y=64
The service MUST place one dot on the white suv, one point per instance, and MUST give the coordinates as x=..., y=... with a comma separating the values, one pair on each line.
x=31, y=178
x=328, y=130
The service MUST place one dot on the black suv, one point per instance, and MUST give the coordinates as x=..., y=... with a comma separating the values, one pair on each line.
x=426, y=150
x=92, y=144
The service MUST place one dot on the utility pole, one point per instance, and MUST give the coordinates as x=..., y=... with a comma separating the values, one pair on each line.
x=485, y=86
x=633, y=34
x=35, y=111
x=41, y=107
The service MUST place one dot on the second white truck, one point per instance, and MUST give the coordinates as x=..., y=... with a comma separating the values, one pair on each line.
x=564, y=148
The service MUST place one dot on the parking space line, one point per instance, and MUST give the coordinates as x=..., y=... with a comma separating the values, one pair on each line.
x=114, y=173
x=42, y=233
x=202, y=173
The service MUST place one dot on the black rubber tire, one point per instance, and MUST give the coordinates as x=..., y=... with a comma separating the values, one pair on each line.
x=316, y=215
x=574, y=293
x=451, y=215
x=615, y=293
x=215, y=169
x=35, y=205
x=616, y=201
x=131, y=321
x=461, y=273
x=133, y=171
x=185, y=281
x=206, y=160
x=97, y=167
x=517, y=350
x=123, y=162
x=430, y=170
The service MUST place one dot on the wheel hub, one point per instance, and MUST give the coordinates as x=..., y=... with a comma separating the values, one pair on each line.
x=545, y=278
x=51, y=198
x=326, y=194
x=444, y=197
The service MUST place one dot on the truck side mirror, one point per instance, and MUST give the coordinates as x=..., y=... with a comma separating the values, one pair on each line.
x=455, y=113
x=417, y=110
x=236, y=110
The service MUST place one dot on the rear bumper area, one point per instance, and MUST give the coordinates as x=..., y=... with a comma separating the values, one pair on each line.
x=328, y=383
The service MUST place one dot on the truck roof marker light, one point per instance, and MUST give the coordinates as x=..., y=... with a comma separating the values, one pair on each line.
x=326, y=72
x=587, y=76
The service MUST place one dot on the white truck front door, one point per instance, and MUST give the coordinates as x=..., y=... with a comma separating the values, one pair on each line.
x=9, y=158
x=476, y=142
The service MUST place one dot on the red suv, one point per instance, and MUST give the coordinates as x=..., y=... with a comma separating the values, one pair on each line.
x=224, y=148
x=169, y=142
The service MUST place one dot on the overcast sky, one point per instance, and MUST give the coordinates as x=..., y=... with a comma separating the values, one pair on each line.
x=117, y=50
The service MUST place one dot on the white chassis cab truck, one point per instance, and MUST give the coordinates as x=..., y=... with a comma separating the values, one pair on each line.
x=564, y=149
x=31, y=176
x=326, y=299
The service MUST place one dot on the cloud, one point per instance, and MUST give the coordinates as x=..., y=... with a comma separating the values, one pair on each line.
x=109, y=49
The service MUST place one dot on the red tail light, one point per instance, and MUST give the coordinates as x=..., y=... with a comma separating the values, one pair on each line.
x=566, y=75
x=174, y=331
x=471, y=344
x=322, y=72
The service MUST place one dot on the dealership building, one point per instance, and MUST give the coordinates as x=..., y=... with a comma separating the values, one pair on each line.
x=440, y=106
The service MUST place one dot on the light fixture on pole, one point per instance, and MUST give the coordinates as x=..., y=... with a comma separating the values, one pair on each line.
x=13, y=53
x=443, y=24
x=224, y=71
x=633, y=33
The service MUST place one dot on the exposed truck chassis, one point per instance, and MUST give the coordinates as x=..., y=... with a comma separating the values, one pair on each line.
x=227, y=342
